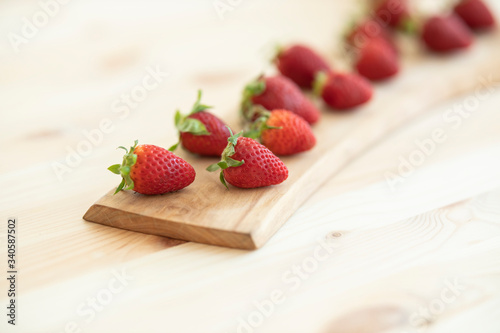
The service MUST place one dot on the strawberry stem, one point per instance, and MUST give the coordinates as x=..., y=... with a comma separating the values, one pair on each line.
x=184, y=124
x=253, y=88
x=260, y=124
x=197, y=106
x=226, y=160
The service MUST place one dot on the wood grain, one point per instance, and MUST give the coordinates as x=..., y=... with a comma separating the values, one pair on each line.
x=395, y=249
x=208, y=213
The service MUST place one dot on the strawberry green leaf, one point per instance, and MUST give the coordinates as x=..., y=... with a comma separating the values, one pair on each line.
x=213, y=167
x=120, y=187
x=185, y=124
x=223, y=180
x=125, y=171
x=260, y=124
x=115, y=168
x=229, y=151
x=178, y=118
x=233, y=163
x=173, y=147
x=278, y=50
x=197, y=107
x=254, y=88
x=129, y=160
x=253, y=134
x=226, y=161
x=233, y=138
x=193, y=126
x=319, y=83
x=223, y=165
x=200, y=108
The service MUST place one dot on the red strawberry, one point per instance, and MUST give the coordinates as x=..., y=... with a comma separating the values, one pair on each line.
x=368, y=30
x=476, y=14
x=446, y=33
x=150, y=169
x=300, y=64
x=343, y=91
x=283, y=132
x=278, y=92
x=201, y=132
x=393, y=12
x=377, y=60
x=246, y=163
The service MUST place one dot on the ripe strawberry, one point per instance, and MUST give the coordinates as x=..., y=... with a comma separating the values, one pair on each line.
x=277, y=92
x=343, y=91
x=393, y=12
x=150, y=169
x=475, y=13
x=377, y=60
x=446, y=34
x=201, y=132
x=300, y=64
x=283, y=132
x=367, y=30
x=246, y=163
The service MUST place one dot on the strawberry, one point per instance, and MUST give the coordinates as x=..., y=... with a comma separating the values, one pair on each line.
x=150, y=169
x=300, y=64
x=377, y=60
x=283, y=132
x=201, y=132
x=278, y=92
x=343, y=91
x=476, y=14
x=245, y=163
x=446, y=34
x=393, y=12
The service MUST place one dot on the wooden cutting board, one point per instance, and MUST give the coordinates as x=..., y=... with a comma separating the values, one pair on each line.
x=206, y=212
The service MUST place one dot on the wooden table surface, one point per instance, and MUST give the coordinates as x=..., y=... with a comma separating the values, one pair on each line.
x=368, y=252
